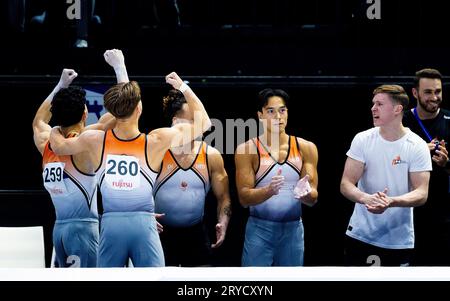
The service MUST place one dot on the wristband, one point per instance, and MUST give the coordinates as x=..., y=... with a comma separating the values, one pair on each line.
x=183, y=87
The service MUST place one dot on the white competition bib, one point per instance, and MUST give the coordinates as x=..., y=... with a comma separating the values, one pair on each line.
x=122, y=172
x=53, y=176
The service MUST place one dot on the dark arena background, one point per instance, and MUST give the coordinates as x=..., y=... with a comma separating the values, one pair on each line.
x=328, y=55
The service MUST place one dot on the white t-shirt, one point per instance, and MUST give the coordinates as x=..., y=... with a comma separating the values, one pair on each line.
x=387, y=164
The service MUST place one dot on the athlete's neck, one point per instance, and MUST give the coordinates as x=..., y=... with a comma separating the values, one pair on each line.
x=186, y=149
x=126, y=129
x=73, y=130
x=274, y=140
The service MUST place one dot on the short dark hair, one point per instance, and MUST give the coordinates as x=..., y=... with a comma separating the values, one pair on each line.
x=68, y=106
x=264, y=95
x=172, y=104
x=121, y=99
x=397, y=94
x=426, y=73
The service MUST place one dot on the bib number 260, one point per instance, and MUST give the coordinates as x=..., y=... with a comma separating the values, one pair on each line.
x=122, y=172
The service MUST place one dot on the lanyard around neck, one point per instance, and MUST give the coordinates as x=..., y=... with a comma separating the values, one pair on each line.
x=421, y=125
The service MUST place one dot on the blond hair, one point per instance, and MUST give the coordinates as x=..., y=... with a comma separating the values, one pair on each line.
x=397, y=94
x=121, y=99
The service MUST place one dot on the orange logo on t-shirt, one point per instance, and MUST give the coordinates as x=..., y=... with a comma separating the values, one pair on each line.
x=396, y=161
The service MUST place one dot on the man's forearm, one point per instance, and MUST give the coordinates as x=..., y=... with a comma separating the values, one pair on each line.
x=196, y=107
x=352, y=193
x=415, y=198
x=224, y=213
x=121, y=74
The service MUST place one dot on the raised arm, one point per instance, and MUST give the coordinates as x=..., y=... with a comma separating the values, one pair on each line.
x=41, y=129
x=245, y=179
x=310, y=158
x=201, y=119
x=220, y=187
x=162, y=139
x=116, y=60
